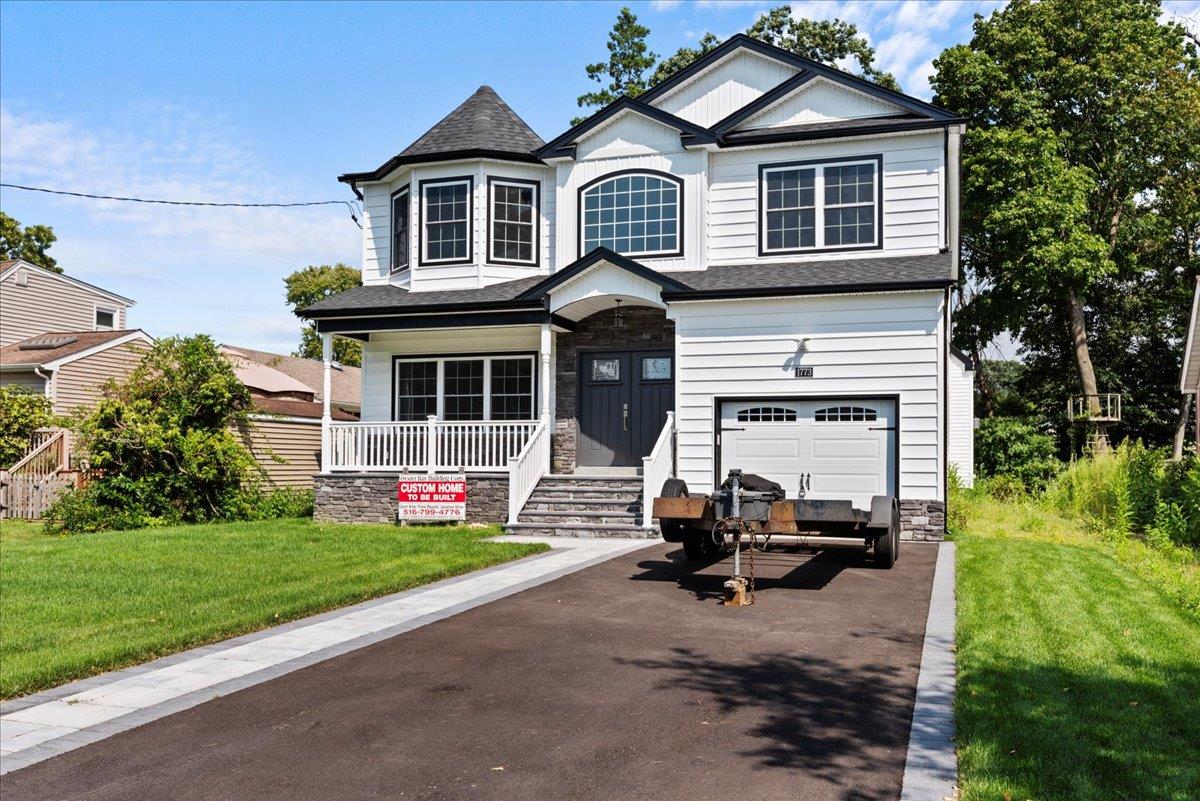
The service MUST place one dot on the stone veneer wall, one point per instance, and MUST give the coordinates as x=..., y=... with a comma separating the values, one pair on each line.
x=922, y=520
x=371, y=498
x=645, y=328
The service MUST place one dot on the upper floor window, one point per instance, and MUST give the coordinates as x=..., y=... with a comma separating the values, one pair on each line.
x=400, y=237
x=512, y=221
x=634, y=214
x=446, y=216
x=814, y=206
x=106, y=319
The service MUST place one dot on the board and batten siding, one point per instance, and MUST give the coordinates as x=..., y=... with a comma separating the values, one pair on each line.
x=80, y=383
x=819, y=101
x=859, y=345
x=24, y=379
x=913, y=196
x=47, y=304
x=377, y=222
x=961, y=399
x=297, y=442
x=726, y=87
x=377, y=356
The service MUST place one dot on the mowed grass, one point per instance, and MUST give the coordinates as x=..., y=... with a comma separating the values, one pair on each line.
x=75, y=606
x=1078, y=679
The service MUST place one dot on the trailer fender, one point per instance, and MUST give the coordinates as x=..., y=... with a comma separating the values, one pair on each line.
x=881, y=511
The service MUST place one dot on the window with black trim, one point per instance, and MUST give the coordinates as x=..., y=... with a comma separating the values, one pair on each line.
x=463, y=393
x=400, y=237
x=513, y=221
x=606, y=371
x=512, y=389
x=766, y=414
x=806, y=206
x=846, y=414
x=446, y=209
x=634, y=214
x=416, y=390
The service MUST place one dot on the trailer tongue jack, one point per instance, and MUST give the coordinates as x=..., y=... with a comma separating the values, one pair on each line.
x=749, y=510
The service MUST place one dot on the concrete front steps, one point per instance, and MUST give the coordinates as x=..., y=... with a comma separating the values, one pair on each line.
x=584, y=506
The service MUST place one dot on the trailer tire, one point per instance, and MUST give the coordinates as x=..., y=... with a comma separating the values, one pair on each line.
x=672, y=531
x=698, y=545
x=887, y=545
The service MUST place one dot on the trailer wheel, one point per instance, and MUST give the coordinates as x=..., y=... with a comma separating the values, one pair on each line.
x=698, y=545
x=672, y=531
x=887, y=546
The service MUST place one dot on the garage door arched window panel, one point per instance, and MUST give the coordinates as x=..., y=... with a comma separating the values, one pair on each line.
x=766, y=414
x=846, y=414
x=635, y=213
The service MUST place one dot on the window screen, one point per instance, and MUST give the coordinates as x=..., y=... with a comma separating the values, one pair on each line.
x=635, y=215
x=464, y=389
x=513, y=220
x=447, y=220
x=416, y=390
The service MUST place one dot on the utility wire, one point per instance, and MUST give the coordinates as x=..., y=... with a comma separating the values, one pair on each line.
x=354, y=212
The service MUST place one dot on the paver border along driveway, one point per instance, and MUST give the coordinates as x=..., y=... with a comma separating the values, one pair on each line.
x=45, y=724
x=624, y=680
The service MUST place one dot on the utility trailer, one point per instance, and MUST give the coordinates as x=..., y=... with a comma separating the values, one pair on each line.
x=751, y=510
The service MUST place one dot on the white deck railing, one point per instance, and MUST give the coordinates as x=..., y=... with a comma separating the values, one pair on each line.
x=435, y=445
x=526, y=469
x=657, y=468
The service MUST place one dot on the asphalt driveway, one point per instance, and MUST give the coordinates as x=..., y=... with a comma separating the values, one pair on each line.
x=625, y=680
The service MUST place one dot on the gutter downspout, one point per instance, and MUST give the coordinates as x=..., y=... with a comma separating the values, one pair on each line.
x=47, y=389
x=954, y=136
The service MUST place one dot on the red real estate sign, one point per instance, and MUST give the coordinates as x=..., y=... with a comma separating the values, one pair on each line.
x=430, y=497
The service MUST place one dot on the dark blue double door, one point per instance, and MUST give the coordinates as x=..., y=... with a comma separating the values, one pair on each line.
x=624, y=397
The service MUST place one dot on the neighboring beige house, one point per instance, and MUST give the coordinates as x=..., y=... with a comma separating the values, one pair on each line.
x=34, y=300
x=71, y=367
x=286, y=433
x=1189, y=381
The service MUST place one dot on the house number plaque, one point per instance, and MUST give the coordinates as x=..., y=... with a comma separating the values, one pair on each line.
x=804, y=372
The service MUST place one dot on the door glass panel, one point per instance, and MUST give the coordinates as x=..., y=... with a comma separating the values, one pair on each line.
x=606, y=370
x=656, y=368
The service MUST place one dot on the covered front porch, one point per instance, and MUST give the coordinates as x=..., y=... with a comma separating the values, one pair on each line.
x=574, y=377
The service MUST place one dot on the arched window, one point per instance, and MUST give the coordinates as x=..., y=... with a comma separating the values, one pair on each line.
x=766, y=414
x=634, y=214
x=846, y=414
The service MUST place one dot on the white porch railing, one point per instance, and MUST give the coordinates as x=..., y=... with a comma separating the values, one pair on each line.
x=657, y=468
x=435, y=445
x=526, y=469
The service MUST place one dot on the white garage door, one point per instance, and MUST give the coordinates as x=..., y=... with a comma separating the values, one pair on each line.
x=846, y=449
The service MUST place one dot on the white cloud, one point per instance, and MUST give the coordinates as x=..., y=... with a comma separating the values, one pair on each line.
x=665, y=5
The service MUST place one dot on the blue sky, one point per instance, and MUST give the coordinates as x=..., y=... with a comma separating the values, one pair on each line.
x=270, y=102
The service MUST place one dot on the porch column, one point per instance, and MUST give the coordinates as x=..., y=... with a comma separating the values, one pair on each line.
x=326, y=391
x=544, y=411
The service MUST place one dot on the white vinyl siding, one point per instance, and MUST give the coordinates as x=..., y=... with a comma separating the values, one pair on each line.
x=725, y=87
x=912, y=195
x=961, y=399
x=858, y=346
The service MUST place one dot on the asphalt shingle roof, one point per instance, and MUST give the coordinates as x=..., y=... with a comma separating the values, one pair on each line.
x=792, y=277
x=30, y=351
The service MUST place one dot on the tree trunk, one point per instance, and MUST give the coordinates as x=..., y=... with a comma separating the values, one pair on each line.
x=1083, y=357
x=986, y=395
x=1180, y=427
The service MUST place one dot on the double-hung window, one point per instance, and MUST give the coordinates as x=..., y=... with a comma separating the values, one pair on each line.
x=512, y=221
x=820, y=206
x=400, y=237
x=500, y=387
x=446, y=220
x=634, y=214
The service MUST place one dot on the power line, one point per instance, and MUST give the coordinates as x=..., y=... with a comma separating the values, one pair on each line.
x=353, y=209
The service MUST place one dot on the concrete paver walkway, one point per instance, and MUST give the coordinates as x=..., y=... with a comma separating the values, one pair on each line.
x=45, y=724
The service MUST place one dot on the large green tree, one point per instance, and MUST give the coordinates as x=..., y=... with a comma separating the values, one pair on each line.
x=1079, y=187
x=304, y=288
x=29, y=243
x=827, y=41
x=629, y=59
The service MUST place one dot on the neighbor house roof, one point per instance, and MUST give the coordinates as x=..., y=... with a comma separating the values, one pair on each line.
x=484, y=126
x=718, y=281
x=54, y=348
x=346, y=381
x=12, y=266
x=284, y=407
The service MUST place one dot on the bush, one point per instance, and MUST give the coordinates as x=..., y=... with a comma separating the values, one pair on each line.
x=1014, y=447
x=21, y=413
x=275, y=504
x=1097, y=490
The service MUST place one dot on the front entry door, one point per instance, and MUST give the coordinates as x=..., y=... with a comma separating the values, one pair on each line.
x=624, y=397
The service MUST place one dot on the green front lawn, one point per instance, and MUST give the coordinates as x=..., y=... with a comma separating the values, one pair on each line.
x=1078, y=678
x=73, y=606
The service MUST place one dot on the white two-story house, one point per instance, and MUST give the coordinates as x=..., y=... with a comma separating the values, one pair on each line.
x=749, y=266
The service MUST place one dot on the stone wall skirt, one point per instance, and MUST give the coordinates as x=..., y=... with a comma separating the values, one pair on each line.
x=371, y=498
x=922, y=520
